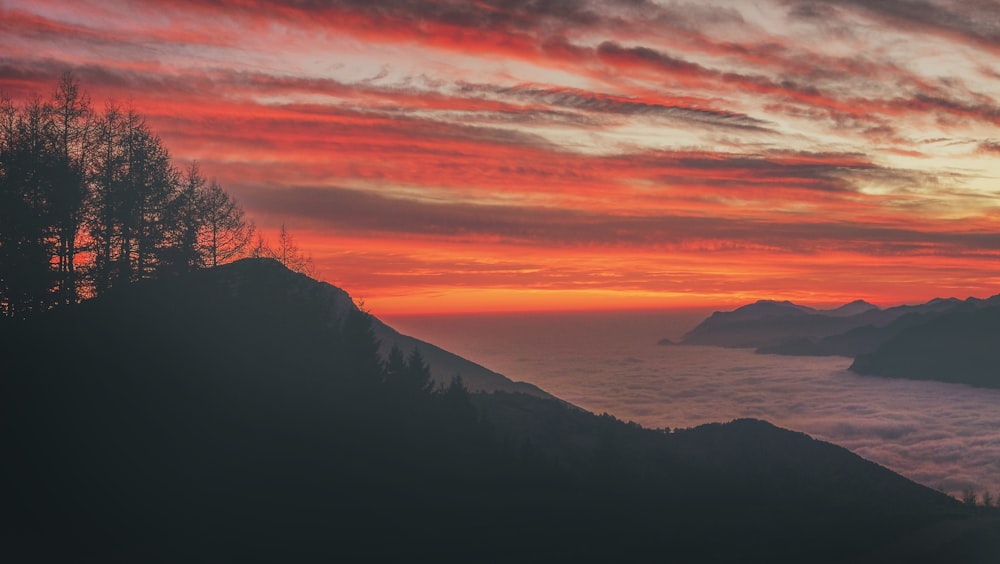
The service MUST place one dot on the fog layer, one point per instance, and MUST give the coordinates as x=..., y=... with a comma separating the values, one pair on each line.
x=945, y=436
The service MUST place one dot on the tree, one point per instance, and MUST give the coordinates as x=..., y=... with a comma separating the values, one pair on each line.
x=395, y=367
x=72, y=120
x=186, y=222
x=418, y=373
x=134, y=183
x=969, y=497
x=407, y=376
x=362, y=362
x=225, y=233
x=151, y=182
x=29, y=171
x=288, y=253
x=101, y=193
x=108, y=178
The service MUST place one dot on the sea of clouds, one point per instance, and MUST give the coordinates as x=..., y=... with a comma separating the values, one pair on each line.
x=946, y=436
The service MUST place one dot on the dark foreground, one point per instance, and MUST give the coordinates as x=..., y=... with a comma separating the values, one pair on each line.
x=228, y=417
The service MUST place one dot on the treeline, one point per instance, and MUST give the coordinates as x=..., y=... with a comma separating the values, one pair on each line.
x=91, y=200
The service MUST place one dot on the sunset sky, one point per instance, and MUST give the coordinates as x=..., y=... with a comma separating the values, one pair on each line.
x=521, y=155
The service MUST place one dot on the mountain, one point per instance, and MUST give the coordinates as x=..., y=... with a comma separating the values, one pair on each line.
x=961, y=346
x=849, y=330
x=856, y=307
x=260, y=276
x=244, y=413
x=769, y=323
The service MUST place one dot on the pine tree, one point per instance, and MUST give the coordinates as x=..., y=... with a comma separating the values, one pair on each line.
x=418, y=374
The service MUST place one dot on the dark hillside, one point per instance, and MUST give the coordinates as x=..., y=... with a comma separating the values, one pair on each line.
x=245, y=414
x=961, y=347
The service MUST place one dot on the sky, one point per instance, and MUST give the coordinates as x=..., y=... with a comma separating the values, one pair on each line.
x=503, y=155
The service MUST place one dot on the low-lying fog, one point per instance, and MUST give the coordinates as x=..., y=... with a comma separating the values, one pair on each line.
x=946, y=436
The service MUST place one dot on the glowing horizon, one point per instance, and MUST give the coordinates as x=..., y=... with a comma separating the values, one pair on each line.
x=499, y=156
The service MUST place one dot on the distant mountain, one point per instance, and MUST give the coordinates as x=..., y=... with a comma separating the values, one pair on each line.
x=856, y=307
x=790, y=329
x=244, y=414
x=769, y=323
x=962, y=346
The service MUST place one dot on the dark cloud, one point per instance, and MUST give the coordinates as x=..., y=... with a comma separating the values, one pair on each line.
x=358, y=211
x=602, y=103
x=991, y=146
x=958, y=18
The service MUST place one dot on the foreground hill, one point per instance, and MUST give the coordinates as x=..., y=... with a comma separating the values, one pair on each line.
x=234, y=415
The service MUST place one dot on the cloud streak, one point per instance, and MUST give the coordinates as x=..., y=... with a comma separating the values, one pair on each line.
x=807, y=136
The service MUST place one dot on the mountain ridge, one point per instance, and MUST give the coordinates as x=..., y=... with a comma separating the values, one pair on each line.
x=248, y=415
x=916, y=341
x=444, y=365
x=771, y=324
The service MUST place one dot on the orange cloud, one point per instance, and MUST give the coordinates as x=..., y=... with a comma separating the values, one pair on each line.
x=563, y=155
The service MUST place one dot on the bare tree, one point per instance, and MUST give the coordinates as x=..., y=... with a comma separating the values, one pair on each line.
x=225, y=232
x=288, y=253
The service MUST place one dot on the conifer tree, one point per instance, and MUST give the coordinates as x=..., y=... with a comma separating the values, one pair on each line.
x=100, y=196
x=72, y=121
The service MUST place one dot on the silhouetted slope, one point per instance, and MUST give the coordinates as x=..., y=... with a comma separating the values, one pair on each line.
x=445, y=365
x=962, y=347
x=263, y=284
x=242, y=414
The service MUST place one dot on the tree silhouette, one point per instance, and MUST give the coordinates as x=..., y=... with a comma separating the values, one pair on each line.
x=286, y=252
x=969, y=496
x=31, y=166
x=184, y=217
x=225, y=233
x=409, y=375
x=395, y=367
x=99, y=196
x=359, y=347
x=134, y=186
x=418, y=373
x=72, y=120
x=207, y=227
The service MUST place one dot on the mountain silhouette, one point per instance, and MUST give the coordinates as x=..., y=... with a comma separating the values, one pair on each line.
x=247, y=413
x=769, y=323
x=849, y=330
x=960, y=347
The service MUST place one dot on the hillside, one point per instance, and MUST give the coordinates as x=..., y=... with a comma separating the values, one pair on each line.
x=244, y=414
x=958, y=347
